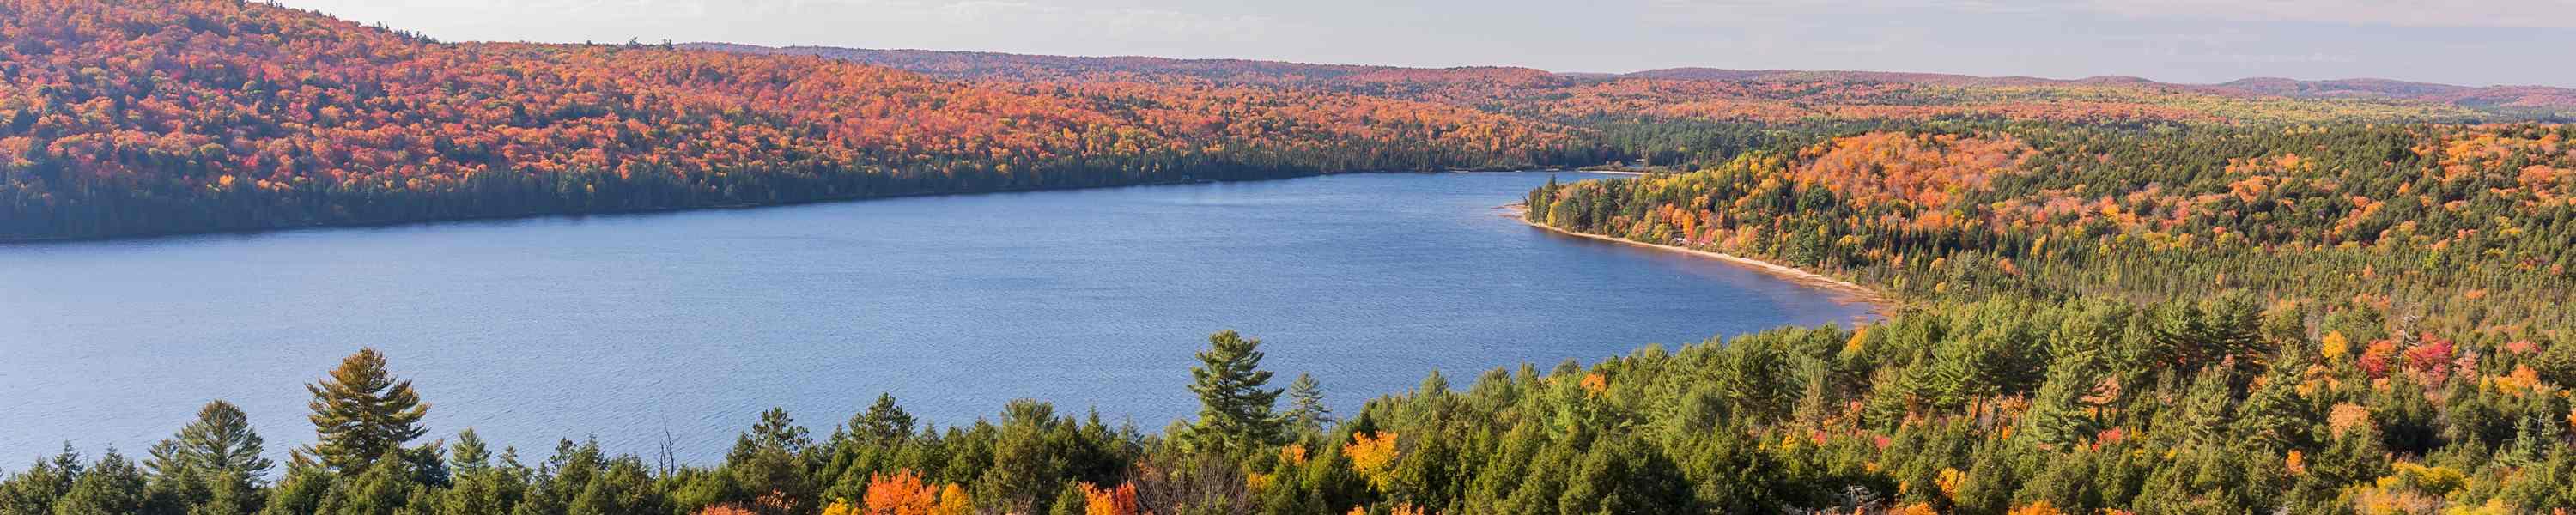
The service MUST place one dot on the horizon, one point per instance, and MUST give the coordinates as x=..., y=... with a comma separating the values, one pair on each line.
x=2193, y=43
x=1582, y=72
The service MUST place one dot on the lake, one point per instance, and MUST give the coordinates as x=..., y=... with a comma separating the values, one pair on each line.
x=631, y=327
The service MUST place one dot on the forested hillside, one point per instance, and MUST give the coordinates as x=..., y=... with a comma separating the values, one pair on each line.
x=2353, y=319
x=168, y=116
x=1766, y=96
x=121, y=118
x=2336, y=319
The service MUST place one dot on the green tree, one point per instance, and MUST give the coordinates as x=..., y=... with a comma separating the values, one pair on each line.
x=385, y=486
x=219, y=441
x=1306, y=409
x=113, y=486
x=771, y=460
x=1234, y=409
x=2061, y=412
x=301, y=492
x=34, y=491
x=883, y=422
x=361, y=412
x=217, y=457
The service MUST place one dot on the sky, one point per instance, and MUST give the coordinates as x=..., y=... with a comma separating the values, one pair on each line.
x=2470, y=42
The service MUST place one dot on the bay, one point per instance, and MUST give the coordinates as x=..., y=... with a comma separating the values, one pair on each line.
x=637, y=329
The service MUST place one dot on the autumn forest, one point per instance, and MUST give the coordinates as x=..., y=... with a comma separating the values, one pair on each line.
x=2103, y=295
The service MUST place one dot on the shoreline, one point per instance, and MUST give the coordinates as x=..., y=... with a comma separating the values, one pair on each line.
x=1880, y=304
x=664, y=210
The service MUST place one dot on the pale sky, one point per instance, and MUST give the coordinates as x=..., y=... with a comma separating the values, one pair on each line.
x=2471, y=42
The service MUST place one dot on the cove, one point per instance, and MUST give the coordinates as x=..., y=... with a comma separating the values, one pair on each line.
x=628, y=328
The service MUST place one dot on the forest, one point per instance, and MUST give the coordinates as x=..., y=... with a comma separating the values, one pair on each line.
x=2348, y=318
x=181, y=116
x=2110, y=297
x=2165, y=319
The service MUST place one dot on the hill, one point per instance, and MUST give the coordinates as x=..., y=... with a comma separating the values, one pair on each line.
x=177, y=116
x=161, y=116
x=2387, y=99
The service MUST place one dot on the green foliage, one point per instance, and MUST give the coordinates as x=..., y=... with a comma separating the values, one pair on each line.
x=1234, y=410
x=361, y=413
x=1306, y=410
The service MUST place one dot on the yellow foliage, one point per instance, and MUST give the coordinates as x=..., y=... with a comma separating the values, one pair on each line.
x=1916, y=509
x=2335, y=346
x=954, y=501
x=1949, y=480
x=1293, y=454
x=2520, y=381
x=2037, y=508
x=2494, y=506
x=1373, y=457
x=2437, y=481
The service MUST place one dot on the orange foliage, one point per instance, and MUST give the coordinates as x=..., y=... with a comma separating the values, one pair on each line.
x=1594, y=384
x=221, y=97
x=1110, y=501
x=1926, y=170
x=901, y=494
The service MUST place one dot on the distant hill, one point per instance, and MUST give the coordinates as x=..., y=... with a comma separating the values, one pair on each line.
x=2529, y=99
x=2513, y=102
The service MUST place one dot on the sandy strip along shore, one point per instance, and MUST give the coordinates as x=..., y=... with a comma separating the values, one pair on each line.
x=1880, y=303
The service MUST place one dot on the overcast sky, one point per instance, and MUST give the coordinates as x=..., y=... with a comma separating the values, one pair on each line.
x=2474, y=42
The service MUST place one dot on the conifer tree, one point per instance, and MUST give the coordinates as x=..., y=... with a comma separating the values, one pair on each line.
x=360, y=412
x=113, y=486
x=883, y=422
x=34, y=490
x=219, y=441
x=1234, y=409
x=1306, y=409
x=2060, y=413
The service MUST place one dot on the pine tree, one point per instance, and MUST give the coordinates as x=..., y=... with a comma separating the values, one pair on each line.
x=2273, y=416
x=34, y=490
x=216, y=458
x=771, y=459
x=883, y=422
x=1306, y=409
x=362, y=411
x=1234, y=410
x=220, y=441
x=113, y=486
x=2060, y=413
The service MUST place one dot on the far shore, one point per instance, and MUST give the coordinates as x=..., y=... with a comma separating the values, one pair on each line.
x=1880, y=303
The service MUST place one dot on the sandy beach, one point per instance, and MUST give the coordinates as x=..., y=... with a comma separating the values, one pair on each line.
x=1880, y=303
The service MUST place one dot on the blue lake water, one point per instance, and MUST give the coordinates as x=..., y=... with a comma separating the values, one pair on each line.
x=689, y=324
